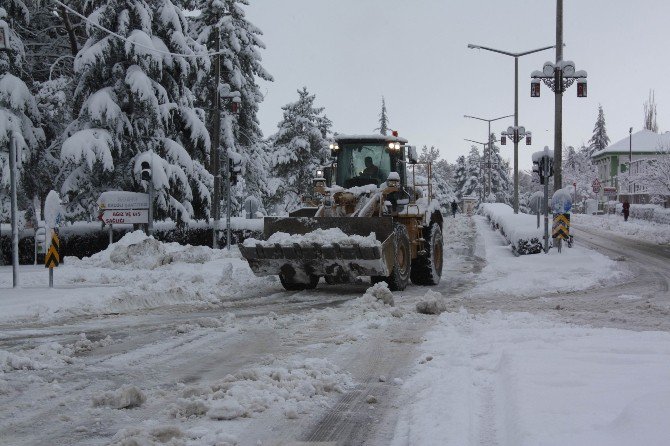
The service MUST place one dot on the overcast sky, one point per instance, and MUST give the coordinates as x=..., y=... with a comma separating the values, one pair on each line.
x=351, y=52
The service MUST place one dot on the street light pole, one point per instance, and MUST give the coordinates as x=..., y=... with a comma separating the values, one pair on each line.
x=490, y=142
x=558, y=101
x=516, y=107
x=215, y=165
x=15, y=227
x=487, y=164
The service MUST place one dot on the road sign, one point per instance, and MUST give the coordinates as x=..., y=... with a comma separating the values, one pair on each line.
x=596, y=186
x=122, y=216
x=609, y=191
x=123, y=200
x=52, y=259
x=561, y=226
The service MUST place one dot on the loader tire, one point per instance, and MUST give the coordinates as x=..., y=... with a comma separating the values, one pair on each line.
x=290, y=285
x=427, y=269
x=402, y=260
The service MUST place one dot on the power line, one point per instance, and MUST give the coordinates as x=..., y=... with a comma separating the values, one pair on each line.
x=119, y=36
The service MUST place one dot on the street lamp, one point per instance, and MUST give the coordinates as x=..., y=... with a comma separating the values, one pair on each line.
x=516, y=106
x=490, y=144
x=558, y=77
x=516, y=134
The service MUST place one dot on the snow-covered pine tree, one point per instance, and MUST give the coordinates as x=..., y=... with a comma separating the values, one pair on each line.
x=19, y=115
x=50, y=39
x=133, y=104
x=241, y=68
x=383, y=119
x=502, y=186
x=599, y=141
x=297, y=149
x=460, y=175
x=442, y=177
x=473, y=175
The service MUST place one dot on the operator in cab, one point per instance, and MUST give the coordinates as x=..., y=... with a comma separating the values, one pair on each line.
x=370, y=170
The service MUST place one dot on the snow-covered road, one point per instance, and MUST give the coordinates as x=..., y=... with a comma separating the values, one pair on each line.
x=186, y=347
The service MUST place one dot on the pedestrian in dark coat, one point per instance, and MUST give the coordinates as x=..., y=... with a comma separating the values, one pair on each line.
x=626, y=210
x=454, y=208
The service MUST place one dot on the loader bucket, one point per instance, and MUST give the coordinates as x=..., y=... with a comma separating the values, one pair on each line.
x=342, y=261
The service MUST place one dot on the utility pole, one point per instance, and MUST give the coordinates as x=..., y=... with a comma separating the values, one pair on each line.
x=215, y=164
x=15, y=227
x=558, y=101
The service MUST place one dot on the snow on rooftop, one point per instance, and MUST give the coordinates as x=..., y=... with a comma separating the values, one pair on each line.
x=642, y=141
x=385, y=138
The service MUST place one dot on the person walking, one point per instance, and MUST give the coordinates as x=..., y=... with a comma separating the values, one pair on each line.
x=626, y=209
x=454, y=208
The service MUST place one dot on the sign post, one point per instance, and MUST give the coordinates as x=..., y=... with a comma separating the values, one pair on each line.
x=53, y=216
x=52, y=259
x=119, y=208
x=15, y=226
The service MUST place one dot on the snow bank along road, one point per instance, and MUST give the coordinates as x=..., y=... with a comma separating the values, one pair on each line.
x=150, y=343
x=547, y=374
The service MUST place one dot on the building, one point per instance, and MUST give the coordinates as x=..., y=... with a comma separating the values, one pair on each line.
x=613, y=162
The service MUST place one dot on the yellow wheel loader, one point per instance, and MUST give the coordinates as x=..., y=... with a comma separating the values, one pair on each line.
x=373, y=215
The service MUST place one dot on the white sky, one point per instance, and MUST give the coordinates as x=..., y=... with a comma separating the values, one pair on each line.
x=351, y=52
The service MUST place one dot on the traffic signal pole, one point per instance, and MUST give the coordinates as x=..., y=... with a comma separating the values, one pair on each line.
x=15, y=227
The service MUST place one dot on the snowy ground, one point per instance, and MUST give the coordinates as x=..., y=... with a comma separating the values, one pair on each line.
x=633, y=228
x=151, y=343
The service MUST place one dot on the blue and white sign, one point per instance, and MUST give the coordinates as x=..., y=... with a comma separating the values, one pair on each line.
x=561, y=202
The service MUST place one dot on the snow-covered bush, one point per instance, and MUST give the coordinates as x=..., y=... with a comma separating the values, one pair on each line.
x=520, y=230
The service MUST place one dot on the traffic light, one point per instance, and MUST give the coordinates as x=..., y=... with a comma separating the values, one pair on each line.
x=535, y=88
x=581, y=88
x=529, y=139
x=503, y=140
x=234, y=169
x=146, y=171
x=538, y=168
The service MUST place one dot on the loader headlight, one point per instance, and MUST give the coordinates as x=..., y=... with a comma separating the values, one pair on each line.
x=393, y=183
x=394, y=146
x=319, y=173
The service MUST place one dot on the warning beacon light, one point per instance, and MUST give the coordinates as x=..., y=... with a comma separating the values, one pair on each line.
x=581, y=88
x=535, y=88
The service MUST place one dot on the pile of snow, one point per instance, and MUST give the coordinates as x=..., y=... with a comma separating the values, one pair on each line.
x=380, y=291
x=431, y=303
x=124, y=398
x=48, y=355
x=320, y=237
x=522, y=379
x=296, y=385
x=152, y=433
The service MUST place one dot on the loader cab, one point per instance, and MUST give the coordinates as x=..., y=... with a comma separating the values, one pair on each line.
x=368, y=161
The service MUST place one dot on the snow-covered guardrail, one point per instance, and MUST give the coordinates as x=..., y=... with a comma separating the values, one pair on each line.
x=520, y=230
